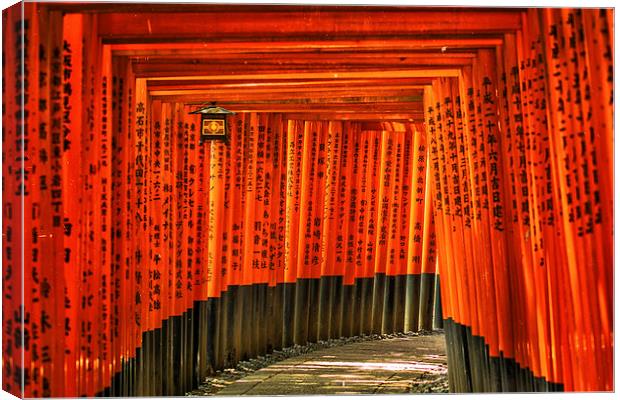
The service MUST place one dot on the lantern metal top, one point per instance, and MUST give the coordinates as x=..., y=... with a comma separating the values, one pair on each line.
x=212, y=109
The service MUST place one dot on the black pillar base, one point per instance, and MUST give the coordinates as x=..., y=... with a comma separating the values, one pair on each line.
x=472, y=369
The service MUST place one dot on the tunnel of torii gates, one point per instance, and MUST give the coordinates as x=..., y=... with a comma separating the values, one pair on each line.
x=372, y=151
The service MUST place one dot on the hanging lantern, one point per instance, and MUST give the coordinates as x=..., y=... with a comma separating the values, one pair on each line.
x=213, y=123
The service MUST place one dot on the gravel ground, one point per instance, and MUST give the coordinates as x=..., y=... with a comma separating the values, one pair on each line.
x=428, y=382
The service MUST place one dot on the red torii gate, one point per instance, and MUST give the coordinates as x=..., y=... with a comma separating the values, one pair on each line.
x=148, y=252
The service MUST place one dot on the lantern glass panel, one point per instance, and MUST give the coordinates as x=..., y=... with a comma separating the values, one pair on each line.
x=213, y=127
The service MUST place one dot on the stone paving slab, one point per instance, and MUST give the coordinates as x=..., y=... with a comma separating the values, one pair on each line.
x=388, y=366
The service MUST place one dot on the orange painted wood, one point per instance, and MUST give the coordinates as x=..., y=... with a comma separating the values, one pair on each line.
x=342, y=230
x=330, y=220
x=359, y=117
x=352, y=199
x=12, y=229
x=514, y=181
x=118, y=26
x=417, y=223
x=295, y=140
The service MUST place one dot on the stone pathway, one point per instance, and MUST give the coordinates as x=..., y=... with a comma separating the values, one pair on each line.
x=398, y=365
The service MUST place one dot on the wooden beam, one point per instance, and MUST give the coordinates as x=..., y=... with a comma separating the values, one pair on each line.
x=148, y=68
x=401, y=117
x=153, y=72
x=266, y=56
x=377, y=61
x=115, y=7
x=438, y=44
x=318, y=24
x=394, y=107
x=328, y=98
x=294, y=84
x=300, y=99
x=266, y=94
x=405, y=73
